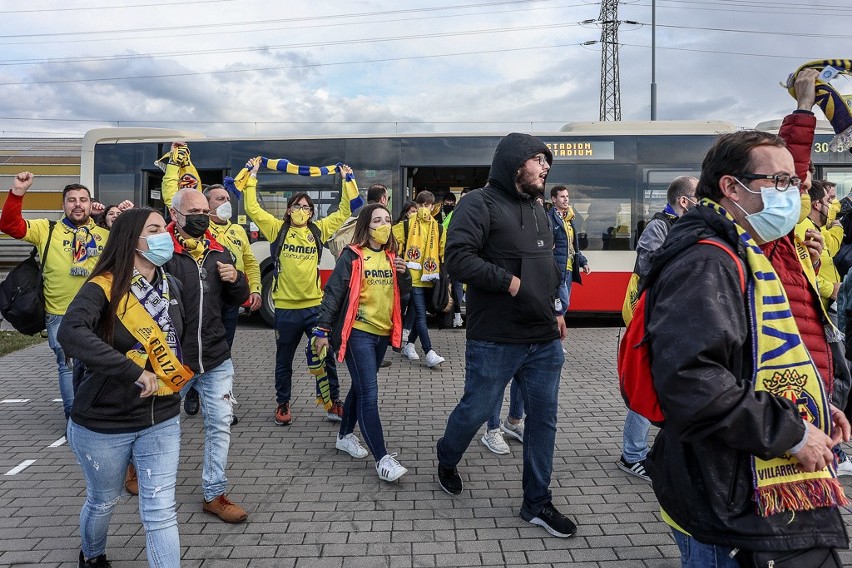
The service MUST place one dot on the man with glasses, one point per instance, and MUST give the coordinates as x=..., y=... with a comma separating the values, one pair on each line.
x=500, y=244
x=680, y=198
x=742, y=466
x=210, y=280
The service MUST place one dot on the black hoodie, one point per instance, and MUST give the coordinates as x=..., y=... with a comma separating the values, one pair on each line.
x=498, y=232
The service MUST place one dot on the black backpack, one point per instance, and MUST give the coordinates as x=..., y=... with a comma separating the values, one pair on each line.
x=275, y=248
x=22, y=293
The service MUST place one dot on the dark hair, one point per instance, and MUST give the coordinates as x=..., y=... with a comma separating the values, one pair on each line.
x=209, y=188
x=816, y=191
x=296, y=197
x=102, y=218
x=554, y=191
x=118, y=258
x=403, y=213
x=73, y=187
x=450, y=196
x=731, y=155
x=361, y=235
x=680, y=186
x=425, y=198
x=466, y=190
x=375, y=192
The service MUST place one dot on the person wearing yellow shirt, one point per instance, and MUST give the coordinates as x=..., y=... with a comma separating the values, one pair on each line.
x=422, y=249
x=68, y=251
x=360, y=315
x=827, y=278
x=297, y=293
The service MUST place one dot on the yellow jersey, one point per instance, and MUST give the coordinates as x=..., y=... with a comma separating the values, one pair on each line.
x=234, y=238
x=375, y=302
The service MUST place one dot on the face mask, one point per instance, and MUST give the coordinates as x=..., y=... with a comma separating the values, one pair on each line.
x=299, y=217
x=779, y=215
x=196, y=225
x=448, y=209
x=806, y=206
x=423, y=214
x=160, y=248
x=381, y=234
x=833, y=210
x=224, y=211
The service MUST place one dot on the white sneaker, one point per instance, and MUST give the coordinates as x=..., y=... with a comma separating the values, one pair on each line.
x=844, y=467
x=433, y=359
x=514, y=430
x=409, y=353
x=389, y=469
x=493, y=440
x=350, y=444
x=457, y=321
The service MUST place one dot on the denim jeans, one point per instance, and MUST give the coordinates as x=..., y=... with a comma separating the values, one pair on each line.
x=415, y=318
x=489, y=368
x=215, y=390
x=364, y=354
x=290, y=325
x=230, y=315
x=636, y=427
x=155, y=451
x=516, y=406
x=66, y=371
x=694, y=554
x=565, y=292
x=458, y=295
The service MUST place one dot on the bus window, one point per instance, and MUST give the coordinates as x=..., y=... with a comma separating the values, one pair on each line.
x=842, y=177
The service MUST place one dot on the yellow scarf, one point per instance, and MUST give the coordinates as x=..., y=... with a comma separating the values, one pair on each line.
x=422, y=248
x=783, y=367
x=187, y=174
x=172, y=375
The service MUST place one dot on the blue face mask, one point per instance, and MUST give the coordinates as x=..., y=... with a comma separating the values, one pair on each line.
x=779, y=215
x=160, y=248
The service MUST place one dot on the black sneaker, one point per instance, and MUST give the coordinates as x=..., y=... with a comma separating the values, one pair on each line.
x=235, y=420
x=450, y=480
x=637, y=468
x=96, y=562
x=191, y=403
x=552, y=521
x=385, y=364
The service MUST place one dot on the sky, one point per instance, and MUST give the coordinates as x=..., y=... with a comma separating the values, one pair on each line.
x=249, y=68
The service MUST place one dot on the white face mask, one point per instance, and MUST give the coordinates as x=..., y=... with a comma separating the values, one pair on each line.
x=779, y=214
x=224, y=211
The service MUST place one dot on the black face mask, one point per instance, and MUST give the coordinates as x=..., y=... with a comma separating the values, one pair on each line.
x=448, y=208
x=196, y=225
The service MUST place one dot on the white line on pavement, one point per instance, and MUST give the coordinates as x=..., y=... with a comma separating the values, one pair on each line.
x=20, y=467
x=56, y=400
x=11, y=400
x=57, y=443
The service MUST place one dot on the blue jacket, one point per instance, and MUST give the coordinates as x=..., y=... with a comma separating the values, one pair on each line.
x=560, y=243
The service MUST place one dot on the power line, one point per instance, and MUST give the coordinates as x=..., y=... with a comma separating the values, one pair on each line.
x=99, y=8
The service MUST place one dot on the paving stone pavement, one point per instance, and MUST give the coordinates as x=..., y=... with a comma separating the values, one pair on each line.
x=313, y=506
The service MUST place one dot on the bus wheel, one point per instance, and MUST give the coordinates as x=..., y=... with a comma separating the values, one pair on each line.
x=267, y=310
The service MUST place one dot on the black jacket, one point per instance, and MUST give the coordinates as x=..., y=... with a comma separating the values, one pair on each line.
x=496, y=233
x=106, y=399
x=702, y=365
x=204, y=294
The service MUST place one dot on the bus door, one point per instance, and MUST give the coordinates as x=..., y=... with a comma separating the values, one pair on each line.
x=441, y=180
x=152, y=186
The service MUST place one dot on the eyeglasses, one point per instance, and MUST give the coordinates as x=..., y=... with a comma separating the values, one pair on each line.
x=783, y=182
x=542, y=159
x=301, y=207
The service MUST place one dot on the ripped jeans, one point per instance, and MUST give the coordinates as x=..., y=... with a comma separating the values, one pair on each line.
x=104, y=458
x=215, y=389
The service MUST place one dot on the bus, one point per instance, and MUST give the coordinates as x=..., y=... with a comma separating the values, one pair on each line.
x=617, y=174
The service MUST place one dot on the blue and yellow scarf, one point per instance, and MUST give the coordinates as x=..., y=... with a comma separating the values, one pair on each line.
x=834, y=106
x=783, y=367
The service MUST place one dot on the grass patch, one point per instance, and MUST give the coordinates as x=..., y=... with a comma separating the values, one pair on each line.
x=12, y=341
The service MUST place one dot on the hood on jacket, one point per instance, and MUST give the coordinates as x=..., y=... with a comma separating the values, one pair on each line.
x=511, y=153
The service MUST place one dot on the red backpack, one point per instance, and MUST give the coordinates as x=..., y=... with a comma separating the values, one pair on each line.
x=634, y=354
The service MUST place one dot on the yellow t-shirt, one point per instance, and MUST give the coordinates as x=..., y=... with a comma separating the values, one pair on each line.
x=375, y=303
x=234, y=238
x=298, y=284
x=64, y=275
x=569, y=230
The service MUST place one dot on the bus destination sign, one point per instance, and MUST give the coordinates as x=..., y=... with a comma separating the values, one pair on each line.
x=598, y=150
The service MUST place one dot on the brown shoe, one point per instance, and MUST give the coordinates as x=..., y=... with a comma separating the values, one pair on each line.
x=282, y=414
x=131, y=482
x=223, y=508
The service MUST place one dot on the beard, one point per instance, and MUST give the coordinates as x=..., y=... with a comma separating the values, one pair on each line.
x=529, y=183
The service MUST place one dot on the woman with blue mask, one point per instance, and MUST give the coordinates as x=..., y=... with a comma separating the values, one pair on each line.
x=125, y=326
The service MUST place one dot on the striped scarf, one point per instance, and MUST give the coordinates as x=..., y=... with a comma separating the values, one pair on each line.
x=350, y=188
x=783, y=367
x=422, y=248
x=835, y=107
